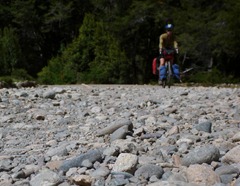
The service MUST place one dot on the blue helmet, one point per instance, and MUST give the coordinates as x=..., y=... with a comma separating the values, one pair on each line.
x=169, y=27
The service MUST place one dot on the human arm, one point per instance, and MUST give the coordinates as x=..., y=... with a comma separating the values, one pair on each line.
x=176, y=46
x=161, y=44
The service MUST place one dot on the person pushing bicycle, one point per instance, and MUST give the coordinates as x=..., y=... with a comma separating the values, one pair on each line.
x=167, y=41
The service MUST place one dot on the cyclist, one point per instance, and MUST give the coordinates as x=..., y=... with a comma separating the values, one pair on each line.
x=167, y=41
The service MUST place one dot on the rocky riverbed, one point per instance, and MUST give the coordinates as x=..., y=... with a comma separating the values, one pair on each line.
x=117, y=135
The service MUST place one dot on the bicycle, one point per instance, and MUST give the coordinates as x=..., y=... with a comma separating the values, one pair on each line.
x=168, y=56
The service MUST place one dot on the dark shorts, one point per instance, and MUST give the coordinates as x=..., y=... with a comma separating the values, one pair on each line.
x=162, y=56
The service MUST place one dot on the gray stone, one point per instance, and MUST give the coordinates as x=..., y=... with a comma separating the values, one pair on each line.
x=125, y=162
x=120, y=133
x=146, y=171
x=205, y=126
x=125, y=146
x=118, y=182
x=58, y=126
x=87, y=163
x=205, y=154
x=202, y=174
x=100, y=172
x=232, y=156
x=227, y=169
x=111, y=151
x=91, y=155
x=114, y=126
x=60, y=150
x=124, y=174
x=46, y=177
x=99, y=182
x=172, y=183
x=177, y=177
x=227, y=178
x=236, y=137
x=49, y=94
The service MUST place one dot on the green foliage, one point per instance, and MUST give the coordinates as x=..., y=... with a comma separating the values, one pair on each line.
x=21, y=75
x=84, y=44
x=72, y=59
x=233, y=24
x=108, y=64
x=7, y=79
x=10, y=51
x=212, y=77
x=57, y=72
x=94, y=57
x=105, y=41
x=138, y=31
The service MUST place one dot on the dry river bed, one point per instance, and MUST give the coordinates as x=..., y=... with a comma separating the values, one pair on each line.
x=119, y=135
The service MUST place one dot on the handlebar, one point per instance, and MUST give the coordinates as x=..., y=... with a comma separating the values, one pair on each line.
x=169, y=51
x=169, y=54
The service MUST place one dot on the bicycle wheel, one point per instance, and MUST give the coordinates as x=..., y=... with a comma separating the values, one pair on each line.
x=164, y=82
x=169, y=74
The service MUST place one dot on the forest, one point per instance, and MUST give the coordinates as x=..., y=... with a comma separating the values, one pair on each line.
x=115, y=41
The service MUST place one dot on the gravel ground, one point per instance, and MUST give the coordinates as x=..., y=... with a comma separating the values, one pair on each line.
x=120, y=135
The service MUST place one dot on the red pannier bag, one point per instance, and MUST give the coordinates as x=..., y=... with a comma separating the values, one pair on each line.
x=154, y=66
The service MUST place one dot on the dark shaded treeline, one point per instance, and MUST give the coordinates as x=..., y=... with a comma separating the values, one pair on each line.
x=114, y=41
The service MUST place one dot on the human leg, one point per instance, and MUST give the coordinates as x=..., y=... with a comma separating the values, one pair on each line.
x=162, y=69
x=176, y=71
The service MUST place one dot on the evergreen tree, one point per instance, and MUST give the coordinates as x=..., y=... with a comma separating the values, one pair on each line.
x=10, y=51
x=28, y=24
x=93, y=57
x=109, y=64
x=49, y=34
